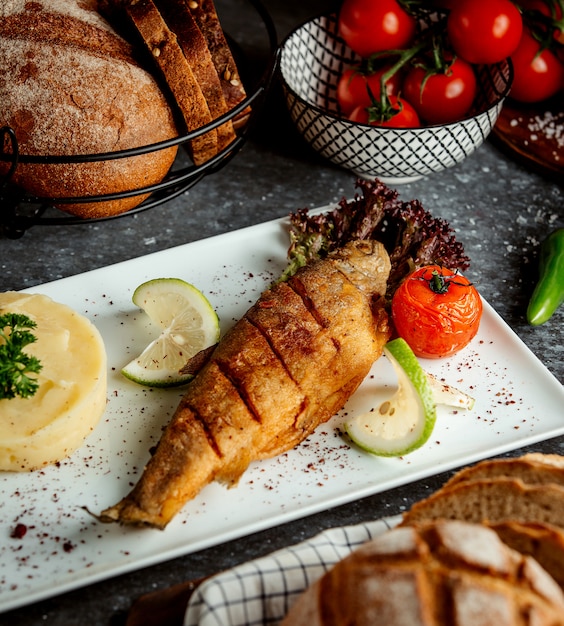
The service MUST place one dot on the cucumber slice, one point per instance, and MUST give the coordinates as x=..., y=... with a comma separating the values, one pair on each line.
x=405, y=421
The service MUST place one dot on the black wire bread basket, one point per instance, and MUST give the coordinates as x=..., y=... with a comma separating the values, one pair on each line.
x=19, y=210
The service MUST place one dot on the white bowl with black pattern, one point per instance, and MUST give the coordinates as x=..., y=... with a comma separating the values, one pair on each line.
x=312, y=59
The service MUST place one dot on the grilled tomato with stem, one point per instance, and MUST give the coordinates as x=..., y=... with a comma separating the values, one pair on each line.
x=436, y=311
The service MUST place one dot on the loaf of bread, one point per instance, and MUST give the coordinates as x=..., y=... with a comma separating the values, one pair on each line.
x=521, y=499
x=69, y=85
x=486, y=548
x=445, y=573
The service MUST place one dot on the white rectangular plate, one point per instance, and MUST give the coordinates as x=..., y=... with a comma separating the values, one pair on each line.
x=518, y=402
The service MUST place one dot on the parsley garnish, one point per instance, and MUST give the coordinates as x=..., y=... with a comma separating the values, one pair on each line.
x=15, y=364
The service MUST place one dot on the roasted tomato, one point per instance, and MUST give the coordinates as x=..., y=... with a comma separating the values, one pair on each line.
x=436, y=311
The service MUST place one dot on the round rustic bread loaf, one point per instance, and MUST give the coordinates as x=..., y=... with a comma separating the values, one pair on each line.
x=446, y=573
x=69, y=85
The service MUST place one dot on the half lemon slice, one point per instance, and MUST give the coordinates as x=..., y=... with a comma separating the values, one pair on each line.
x=403, y=422
x=188, y=325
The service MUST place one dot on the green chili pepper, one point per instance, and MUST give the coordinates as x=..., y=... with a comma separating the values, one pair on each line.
x=549, y=291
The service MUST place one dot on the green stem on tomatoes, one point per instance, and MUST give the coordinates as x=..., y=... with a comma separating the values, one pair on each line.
x=405, y=57
x=382, y=110
x=548, y=294
x=547, y=29
x=439, y=283
x=429, y=39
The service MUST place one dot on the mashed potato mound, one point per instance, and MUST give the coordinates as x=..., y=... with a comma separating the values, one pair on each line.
x=53, y=423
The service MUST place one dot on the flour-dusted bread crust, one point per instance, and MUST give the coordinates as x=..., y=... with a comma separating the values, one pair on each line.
x=521, y=499
x=544, y=542
x=485, y=549
x=446, y=573
x=69, y=85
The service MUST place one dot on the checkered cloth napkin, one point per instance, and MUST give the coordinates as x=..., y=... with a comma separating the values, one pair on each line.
x=260, y=592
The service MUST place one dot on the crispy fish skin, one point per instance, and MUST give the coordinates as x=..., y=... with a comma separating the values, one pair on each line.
x=287, y=366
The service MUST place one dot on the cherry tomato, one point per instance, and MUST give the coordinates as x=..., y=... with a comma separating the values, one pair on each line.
x=537, y=75
x=441, y=98
x=369, y=26
x=436, y=311
x=355, y=86
x=406, y=117
x=484, y=31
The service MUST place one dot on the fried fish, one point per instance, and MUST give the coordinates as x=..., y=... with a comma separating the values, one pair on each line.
x=287, y=366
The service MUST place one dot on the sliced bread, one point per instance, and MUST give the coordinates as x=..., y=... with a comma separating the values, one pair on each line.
x=521, y=499
x=163, y=45
x=492, y=500
x=207, y=19
x=195, y=48
x=530, y=468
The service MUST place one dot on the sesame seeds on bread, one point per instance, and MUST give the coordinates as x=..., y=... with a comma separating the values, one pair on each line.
x=197, y=53
x=163, y=46
x=188, y=48
x=205, y=16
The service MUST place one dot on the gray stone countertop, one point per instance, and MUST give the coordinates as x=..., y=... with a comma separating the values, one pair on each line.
x=500, y=210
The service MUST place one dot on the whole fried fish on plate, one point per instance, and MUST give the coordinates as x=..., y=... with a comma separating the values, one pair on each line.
x=287, y=366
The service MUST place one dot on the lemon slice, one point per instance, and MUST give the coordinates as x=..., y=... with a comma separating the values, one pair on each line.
x=188, y=322
x=405, y=421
